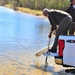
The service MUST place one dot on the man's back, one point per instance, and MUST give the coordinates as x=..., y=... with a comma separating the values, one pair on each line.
x=58, y=15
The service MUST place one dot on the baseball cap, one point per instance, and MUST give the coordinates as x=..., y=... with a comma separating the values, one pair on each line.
x=45, y=10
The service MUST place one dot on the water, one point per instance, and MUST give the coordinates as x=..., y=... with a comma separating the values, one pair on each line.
x=20, y=31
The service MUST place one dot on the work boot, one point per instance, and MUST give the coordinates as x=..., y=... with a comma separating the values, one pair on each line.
x=53, y=50
x=50, y=53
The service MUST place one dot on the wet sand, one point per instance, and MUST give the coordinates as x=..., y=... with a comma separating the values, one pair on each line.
x=15, y=60
x=23, y=63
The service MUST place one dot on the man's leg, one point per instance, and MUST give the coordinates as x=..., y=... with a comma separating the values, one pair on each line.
x=62, y=27
x=72, y=28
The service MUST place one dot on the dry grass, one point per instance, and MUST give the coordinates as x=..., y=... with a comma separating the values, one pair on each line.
x=26, y=10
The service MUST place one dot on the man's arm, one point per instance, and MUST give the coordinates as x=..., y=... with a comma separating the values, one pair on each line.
x=54, y=32
x=52, y=22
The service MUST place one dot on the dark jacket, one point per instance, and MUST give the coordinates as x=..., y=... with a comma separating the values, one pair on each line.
x=71, y=11
x=55, y=17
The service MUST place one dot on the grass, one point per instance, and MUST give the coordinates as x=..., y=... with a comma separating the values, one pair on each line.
x=26, y=10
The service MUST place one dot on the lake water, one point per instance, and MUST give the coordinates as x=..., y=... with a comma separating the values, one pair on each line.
x=18, y=30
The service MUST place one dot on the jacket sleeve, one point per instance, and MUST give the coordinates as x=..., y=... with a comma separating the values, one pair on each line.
x=68, y=10
x=52, y=22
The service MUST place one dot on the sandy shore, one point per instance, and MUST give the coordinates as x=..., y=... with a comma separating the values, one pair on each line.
x=23, y=63
x=26, y=10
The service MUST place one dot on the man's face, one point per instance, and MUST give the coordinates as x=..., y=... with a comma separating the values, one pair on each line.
x=45, y=14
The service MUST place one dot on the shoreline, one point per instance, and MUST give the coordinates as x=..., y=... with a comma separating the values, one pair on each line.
x=26, y=10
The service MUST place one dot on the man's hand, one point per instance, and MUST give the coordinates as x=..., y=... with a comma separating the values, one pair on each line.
x=54, y=32
x=50, y=34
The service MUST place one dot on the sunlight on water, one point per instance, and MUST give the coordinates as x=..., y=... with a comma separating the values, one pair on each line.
x=21, y=29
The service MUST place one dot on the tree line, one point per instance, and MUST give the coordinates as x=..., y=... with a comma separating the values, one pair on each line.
x=38, y=4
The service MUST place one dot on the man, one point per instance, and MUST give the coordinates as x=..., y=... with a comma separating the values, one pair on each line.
x=71, y=11
x=57, y=18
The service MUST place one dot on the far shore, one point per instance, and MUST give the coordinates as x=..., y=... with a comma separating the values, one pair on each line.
x=26, y=10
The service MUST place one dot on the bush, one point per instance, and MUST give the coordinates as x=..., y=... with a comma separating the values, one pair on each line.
x=40, y=4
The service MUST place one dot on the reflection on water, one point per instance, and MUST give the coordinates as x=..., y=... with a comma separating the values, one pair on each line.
x=19, y=30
